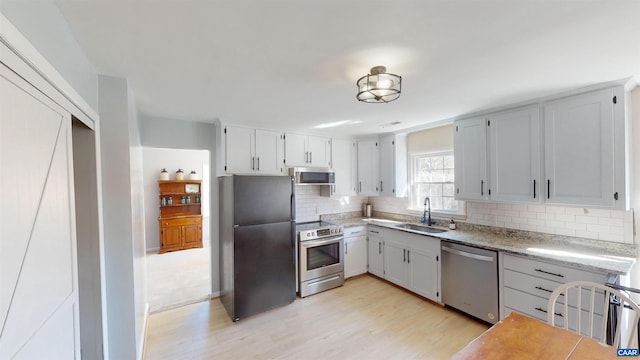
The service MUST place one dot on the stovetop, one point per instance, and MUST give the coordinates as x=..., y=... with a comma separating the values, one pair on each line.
x=317, y=230
x=313, y=225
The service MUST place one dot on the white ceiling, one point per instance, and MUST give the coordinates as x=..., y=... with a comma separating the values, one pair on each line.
x=293, y=64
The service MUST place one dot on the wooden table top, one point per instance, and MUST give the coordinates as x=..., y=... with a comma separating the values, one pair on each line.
x=520, y=337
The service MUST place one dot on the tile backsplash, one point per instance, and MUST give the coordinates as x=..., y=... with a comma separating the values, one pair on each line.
x=597, y=224
x=310, y=205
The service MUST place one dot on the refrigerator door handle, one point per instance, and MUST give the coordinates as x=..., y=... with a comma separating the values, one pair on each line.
x=293, y=198
x=293, y=207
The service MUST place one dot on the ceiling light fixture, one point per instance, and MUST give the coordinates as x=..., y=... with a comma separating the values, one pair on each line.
x=379, y=86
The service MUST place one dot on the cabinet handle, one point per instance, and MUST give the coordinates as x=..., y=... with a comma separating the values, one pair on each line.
x=379, y=248
x=548, y=189
x=360, y=186
x=408, y=256
x=545, y=311
x=549, y=273
x=381, y=186
x=534, y=188
x=375, y=232
x=310, y=157
x=258, y=167
x=547, y=290
x=404, y=255
x=481, y=187
x=346, y=249
x=253, y=163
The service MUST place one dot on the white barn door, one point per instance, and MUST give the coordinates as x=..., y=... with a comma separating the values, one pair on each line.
x=38, y=264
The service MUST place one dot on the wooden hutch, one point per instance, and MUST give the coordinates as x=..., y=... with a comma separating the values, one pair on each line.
x=180, y=214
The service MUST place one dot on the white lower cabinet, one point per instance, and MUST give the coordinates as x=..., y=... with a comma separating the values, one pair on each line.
x=355, y=251
x=375, y=251
x=396, y=268
x=527, y=284
x=412, y=261
x=424, y=272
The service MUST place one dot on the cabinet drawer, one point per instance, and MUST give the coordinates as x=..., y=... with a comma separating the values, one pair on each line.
x=544, y=270
x=529, y=284
x=543, y=288
x=525, y=303
x=354, y=231
x=375, y=231
x=536, y=307
x=181, y=221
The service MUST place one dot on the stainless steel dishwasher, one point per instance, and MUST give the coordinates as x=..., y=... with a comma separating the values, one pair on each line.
x=470, y=280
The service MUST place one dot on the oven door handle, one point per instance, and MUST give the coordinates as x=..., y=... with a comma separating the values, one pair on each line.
x=307, y=244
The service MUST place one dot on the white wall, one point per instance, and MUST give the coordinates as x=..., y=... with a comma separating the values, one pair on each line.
x=172, y=159
x=47, y=30
x=122, y=213
x=137, y=223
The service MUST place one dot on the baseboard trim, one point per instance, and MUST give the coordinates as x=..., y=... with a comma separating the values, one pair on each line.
x=184, y=303
x=153, y=250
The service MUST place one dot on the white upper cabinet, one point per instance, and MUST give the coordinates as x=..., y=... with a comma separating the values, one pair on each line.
x=470, y=153
x=343, y=161
x=514, y=155
x=295, y=150
x=584, y=149
x=368, y=167
x=306, y=150
x=251, y=151
x=240, y=152
x=582, y=138
x=393, y=166
x=269, y=152
x=319, y=151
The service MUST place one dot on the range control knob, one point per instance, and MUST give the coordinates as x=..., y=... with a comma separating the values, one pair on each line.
x=308, y=234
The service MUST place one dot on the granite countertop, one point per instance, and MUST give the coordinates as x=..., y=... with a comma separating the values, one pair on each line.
x=583, y=253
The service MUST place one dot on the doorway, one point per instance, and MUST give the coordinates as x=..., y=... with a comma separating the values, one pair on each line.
x=181, y=277
x=88, y=240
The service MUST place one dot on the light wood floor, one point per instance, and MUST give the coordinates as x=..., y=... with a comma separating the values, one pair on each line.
x=367, y=318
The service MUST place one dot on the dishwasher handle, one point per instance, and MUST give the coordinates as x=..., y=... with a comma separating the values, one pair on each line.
x=468, y=254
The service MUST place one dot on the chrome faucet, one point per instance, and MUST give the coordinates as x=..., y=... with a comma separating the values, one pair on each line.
x=427, y=210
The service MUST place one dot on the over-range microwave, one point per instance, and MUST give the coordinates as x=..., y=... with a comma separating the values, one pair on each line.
x=313, y=176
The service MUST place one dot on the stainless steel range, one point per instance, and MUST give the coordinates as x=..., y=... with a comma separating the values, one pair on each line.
x=320, y=260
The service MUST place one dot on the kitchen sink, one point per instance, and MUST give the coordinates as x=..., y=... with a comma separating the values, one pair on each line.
x=421, y=228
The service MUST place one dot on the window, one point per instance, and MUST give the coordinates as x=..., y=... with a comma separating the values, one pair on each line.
x=432, y=175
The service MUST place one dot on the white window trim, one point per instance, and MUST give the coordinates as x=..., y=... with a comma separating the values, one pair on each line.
x=461, y=214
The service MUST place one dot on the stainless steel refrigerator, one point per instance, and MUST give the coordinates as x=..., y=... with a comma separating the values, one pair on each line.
x=257, y=243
